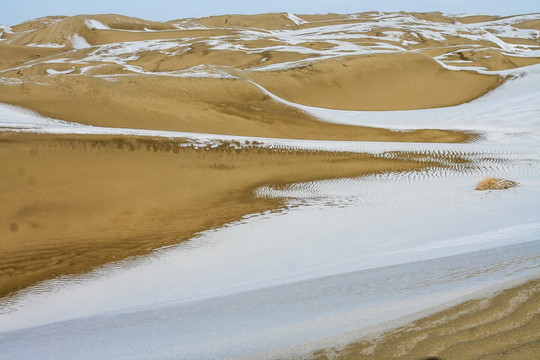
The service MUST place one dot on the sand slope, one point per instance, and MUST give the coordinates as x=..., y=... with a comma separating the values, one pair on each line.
x=501, y=327
x=399, y=81
x=217, y=106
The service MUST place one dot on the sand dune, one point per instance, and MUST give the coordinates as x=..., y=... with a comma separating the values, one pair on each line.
x=370, y=61
x=529, y=24
x=65, y=30
x=473, y=19
x=273, y=21
x=208, y=105
x=15, y=55
x=377, y=82
x=71, y=203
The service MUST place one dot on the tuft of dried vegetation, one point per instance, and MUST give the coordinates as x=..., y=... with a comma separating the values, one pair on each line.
x=493, y=183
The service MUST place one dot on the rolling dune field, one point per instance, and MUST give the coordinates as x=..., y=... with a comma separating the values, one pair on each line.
x=272, y=186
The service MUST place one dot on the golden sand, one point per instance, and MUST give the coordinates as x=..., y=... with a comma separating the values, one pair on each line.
x=504, y=326
x=97, y=90
x=400, y=81
x=215, y=106
x=71, y=203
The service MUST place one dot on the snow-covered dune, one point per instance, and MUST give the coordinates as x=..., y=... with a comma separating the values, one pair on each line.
x=339, y=256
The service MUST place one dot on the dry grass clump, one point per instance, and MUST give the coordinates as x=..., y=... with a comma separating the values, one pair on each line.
x=493, y=183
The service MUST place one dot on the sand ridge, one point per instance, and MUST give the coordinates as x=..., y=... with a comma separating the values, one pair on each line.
x=193, y=105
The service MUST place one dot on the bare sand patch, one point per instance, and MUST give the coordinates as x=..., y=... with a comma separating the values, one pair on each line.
x=203, y=105
x=399, y=81
x=115, y=36
x=435, y=16
x=122, y=22
x=318, y=45
x=529, y=24
x=13, y=55
x=324, y=17
x=473, y=19
x=37, y=23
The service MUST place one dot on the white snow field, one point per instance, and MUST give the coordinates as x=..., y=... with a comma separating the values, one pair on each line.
x=343, y=256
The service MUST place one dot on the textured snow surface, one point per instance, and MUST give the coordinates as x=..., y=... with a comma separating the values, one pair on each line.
x=94, y=24
x=78, y=42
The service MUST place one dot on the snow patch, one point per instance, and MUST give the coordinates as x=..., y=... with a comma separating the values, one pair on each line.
x=47, y=45
x=95, y=25
x=5, y=29
x=78, y=42
x=58, y=72
x=295, y=19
